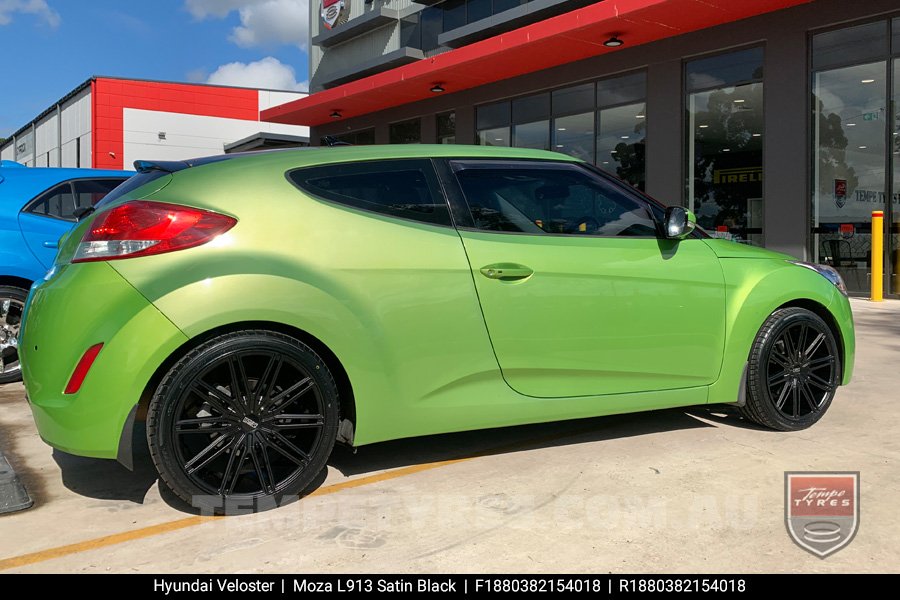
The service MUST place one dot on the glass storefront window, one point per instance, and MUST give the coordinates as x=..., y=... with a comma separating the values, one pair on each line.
x=725, y=144
x=499, y=136
x=573, y=100
x=856, y=149
x=624, y=89
x=621, y=142
x=848, y=164
x=860, y=43
x=492, y=124
x=406, y=132
x=600, y=122
x=534, y=135
x=574, y=135
x=622, y=127
x=446, y=128
x=365, y=137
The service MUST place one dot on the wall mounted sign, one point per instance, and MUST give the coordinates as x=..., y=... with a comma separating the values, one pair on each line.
x=333, y=12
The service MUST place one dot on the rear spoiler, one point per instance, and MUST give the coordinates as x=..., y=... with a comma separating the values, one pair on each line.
x=173, y=166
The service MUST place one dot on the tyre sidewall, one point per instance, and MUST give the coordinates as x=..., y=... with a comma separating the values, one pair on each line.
x=764, y=403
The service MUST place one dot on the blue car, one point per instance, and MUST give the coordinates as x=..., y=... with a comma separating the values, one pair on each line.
x=37, y=206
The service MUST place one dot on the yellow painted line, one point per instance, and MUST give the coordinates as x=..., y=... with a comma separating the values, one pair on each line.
x=378, y=477
x=100, y=542
x=169, y=526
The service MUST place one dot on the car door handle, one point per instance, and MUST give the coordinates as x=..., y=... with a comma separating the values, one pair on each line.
x=51, y=245
x=507, y=272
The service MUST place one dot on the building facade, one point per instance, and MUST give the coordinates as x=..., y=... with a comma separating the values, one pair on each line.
x=772, y=120
x=108, y=123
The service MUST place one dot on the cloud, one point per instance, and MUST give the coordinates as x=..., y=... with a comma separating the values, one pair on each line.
x=32, y=7
x=263, y=22
x=273, y=22
x=267, y=73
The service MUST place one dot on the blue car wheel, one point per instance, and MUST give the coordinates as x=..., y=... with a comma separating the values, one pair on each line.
x=12, y=303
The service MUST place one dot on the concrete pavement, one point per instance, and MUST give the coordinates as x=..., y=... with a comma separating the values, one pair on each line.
x=694, y=490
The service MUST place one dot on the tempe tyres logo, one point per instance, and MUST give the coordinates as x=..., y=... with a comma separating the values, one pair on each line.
x=333, y=13
x=821, y=509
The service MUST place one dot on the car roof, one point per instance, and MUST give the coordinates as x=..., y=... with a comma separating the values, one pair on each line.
x=301, y=157
x=20, y=184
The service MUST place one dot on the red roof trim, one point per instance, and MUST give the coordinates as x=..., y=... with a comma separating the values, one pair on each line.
x=566, y=38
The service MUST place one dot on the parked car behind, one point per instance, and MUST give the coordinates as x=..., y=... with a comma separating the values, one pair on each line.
x=260, y=308
x=37, y=206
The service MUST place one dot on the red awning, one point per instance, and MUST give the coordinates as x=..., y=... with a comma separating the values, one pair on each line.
x=559, y=40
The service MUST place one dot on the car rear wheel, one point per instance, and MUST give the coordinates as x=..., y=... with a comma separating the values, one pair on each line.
x=12, y=304
x=794, y=371
x=244, y=421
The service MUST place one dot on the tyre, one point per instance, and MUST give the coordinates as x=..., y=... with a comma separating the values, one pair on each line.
x=12, y=303
x=794, y=371
x=244, y=421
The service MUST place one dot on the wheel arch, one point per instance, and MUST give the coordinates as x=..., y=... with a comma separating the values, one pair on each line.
x=347, y=399
x=19, y=282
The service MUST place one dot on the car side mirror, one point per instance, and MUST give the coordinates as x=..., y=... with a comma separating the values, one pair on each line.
x=680, y=222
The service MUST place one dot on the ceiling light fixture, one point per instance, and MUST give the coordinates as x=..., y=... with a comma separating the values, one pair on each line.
x=851, y=124
x=867, y=81
x=704, y=126
x=739, y=101
x=613, y=42
x=437, y=88
x=335, y=115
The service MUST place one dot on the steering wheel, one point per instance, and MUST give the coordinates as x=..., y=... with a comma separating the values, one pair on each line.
x=585, y=224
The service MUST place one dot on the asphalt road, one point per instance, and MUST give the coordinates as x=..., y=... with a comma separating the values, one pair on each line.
x=694, y=490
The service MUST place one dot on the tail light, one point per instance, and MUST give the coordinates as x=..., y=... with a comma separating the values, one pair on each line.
x=142, y=228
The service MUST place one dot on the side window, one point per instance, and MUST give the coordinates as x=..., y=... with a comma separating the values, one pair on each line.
x=61, y=203
x=88, y=192
x=549, y=199
x=400, y=188
x=55, y=202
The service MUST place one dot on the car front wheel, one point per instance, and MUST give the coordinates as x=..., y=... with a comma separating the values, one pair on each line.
x=12, y=304
x=794, y=370
x=244, y=421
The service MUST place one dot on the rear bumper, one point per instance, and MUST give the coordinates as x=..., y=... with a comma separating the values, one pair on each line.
x=82, y=305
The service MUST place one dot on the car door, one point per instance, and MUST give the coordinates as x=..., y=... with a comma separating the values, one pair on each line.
x=579, y=295
x=51, y=214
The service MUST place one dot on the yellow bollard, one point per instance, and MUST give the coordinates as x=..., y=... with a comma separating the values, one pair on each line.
x=877, y=256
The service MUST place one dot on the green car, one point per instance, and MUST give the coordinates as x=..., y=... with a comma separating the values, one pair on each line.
x=257, y=309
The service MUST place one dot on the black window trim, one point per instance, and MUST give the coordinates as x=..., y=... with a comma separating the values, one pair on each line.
x=29, y=206
x=434, y=184
x=459, y=204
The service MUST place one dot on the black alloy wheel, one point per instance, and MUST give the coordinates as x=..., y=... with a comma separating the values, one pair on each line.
x=794, y=370
x=250, y=415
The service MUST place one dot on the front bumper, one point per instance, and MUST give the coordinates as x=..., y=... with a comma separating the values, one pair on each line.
x=79, y=306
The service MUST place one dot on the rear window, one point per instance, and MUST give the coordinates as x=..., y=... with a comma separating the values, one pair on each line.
x=64, y=200
x=407, y=189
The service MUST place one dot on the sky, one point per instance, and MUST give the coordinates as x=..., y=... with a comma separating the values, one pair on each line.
x=48, y=47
